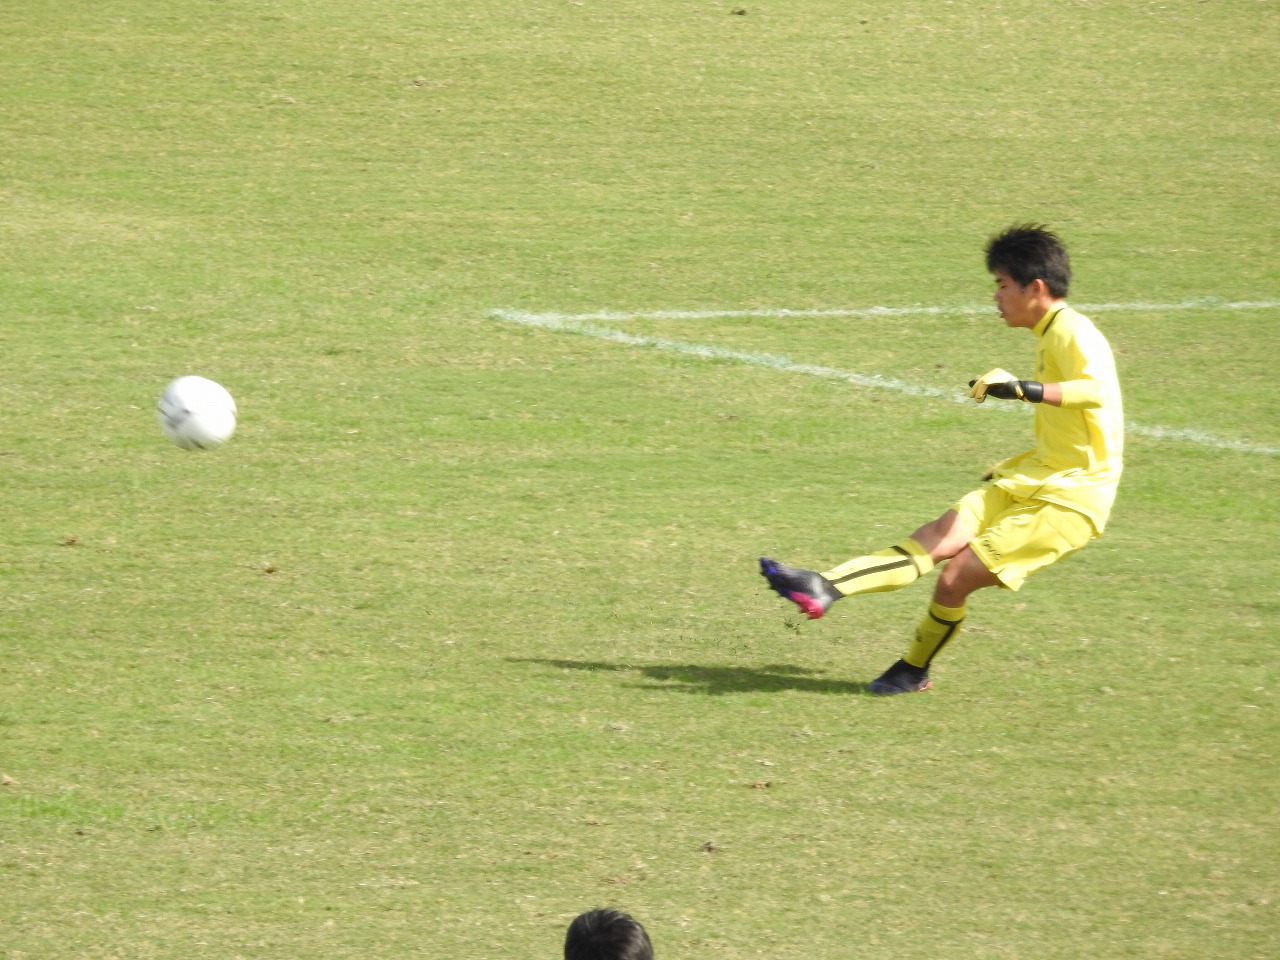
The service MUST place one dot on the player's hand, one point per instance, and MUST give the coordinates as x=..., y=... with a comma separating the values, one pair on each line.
x=997, y=383
x=1005, y=386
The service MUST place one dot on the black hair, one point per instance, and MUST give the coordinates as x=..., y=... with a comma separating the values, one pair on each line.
x=606, y=935
x=1031, y=252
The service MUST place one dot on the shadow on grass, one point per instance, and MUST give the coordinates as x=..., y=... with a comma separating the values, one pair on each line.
x=715, y=681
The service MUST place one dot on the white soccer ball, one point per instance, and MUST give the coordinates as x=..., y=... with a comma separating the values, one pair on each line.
x=196, y=413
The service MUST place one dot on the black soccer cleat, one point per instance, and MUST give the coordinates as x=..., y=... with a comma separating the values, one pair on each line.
x=902, y=677
x=811, y=592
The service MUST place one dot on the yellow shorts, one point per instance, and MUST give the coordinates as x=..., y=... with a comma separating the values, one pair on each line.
x=1015, y=538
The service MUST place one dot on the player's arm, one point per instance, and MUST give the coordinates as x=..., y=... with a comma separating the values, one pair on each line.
x=1077, y=394
x=1005, y=386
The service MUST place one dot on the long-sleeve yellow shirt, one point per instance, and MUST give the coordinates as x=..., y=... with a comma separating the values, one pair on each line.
x=1079, y=448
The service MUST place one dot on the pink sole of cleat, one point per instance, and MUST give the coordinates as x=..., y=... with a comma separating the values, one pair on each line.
x=809, y=605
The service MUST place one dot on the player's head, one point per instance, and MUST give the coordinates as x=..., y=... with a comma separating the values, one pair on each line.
x=1031, y=252
x=606, y=935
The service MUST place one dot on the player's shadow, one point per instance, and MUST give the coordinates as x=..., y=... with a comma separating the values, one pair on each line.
x=714, y=681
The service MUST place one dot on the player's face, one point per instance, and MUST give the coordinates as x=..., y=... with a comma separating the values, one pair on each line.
x=1019, y=306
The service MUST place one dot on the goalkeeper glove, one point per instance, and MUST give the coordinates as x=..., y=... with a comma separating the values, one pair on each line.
x=1005, y=386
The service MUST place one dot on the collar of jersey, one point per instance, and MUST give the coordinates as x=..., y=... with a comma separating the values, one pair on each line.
x=1044, y=323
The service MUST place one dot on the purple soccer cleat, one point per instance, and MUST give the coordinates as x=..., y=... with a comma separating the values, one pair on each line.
x=811, y=592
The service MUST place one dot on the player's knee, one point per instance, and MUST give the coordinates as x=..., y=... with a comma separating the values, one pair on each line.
x=964, y=574
x=950, y=580
x=945, y=537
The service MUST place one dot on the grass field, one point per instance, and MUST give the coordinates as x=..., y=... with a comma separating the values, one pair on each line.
x=462, y=634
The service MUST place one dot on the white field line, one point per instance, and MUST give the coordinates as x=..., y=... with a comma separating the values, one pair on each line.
x=578, y=324
x=615, y=316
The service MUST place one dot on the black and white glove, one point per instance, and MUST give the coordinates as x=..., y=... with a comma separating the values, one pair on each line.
x=1005, y=386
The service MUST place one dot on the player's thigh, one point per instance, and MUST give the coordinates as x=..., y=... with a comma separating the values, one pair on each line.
x=946, y=536
x=950, y=533
x=1028, y=537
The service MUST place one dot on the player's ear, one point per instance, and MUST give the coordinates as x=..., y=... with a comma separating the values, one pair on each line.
x=1038, y=288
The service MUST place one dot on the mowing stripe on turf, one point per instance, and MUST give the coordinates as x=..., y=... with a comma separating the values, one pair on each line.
x=619, y=316
x=576, y=325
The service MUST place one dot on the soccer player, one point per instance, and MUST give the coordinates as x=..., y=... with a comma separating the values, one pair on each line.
x=1039, y=506
x=606, y=935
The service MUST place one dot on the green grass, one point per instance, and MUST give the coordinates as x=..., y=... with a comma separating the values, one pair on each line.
x=461, y=634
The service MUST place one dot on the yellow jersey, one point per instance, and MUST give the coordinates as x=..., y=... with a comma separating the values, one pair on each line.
x=1079, y=448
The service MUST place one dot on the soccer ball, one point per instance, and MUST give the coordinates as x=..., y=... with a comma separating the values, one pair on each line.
x=196, y=413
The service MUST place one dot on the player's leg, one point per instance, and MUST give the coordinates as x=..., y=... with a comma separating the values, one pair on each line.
x=906, y=562
x=964, y=574
x=877, y=572
x=888, y=569
x=1024, y=537
x=950, y=536
x=943, y=538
